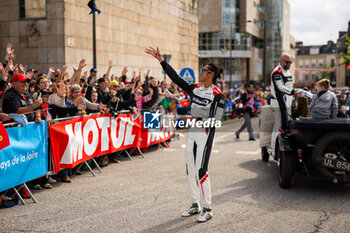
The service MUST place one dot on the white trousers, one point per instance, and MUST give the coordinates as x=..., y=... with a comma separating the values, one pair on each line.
x=199, y=144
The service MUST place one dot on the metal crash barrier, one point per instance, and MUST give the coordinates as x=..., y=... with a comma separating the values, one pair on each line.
x=128, y=123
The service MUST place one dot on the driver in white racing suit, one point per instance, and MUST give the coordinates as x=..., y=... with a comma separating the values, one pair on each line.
x=282, y=92
x=207, y=103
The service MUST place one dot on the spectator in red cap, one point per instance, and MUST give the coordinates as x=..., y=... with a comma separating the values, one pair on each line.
x=18, y=100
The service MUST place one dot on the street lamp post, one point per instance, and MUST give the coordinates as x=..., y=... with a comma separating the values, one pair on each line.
x=264, y=61
x=230, y=63
x=91, y=4
x=94, y=39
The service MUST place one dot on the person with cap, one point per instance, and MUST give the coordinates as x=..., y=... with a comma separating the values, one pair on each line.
x=93, y=73
x=114, y=85
x=120, y=90
x=45, y=114
x=19, y=101
x=30, y=73
x=102, y=91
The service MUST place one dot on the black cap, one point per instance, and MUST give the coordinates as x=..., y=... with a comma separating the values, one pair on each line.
x=45, y=92
x=93, y=70
x=32, y=69
x=101, y=80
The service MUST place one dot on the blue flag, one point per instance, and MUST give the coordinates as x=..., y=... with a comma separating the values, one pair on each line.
x=93, y=7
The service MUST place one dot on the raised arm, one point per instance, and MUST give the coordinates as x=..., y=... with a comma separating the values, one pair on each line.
x=110, y=65
x=77, y=72
x=170, y=71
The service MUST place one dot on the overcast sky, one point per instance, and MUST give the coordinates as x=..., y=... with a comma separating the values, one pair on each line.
x=316, y=21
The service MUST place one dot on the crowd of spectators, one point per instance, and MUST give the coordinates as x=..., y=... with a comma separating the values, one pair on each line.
x=234, y=101
x=55, y=94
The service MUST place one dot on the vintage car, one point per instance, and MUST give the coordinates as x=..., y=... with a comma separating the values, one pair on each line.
x=320, y=147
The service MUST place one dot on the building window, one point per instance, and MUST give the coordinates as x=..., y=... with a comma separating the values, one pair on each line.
x=332, y=62
x=260, y=8
x=32, y=9
x=258, y=23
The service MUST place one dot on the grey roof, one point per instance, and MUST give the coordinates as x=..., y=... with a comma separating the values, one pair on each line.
x=323, y=49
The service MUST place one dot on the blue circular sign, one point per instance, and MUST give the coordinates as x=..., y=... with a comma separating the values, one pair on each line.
x=188, y=75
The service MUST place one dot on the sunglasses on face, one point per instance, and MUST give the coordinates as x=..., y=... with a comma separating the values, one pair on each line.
x=203, y=70
x=288, y=62
x=115, y=86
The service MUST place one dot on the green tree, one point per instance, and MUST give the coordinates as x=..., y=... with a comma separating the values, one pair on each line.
x=346, y=56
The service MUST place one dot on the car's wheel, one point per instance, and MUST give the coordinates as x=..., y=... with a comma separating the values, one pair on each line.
x=264, y=154
x=336, y=146
x=285, y=168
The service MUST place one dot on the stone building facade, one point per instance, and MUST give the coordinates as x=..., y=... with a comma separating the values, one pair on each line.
x=56, y=32
x=315, y=62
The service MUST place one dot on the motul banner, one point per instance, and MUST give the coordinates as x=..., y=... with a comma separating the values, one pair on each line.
x=155, y=136
x=80, y=139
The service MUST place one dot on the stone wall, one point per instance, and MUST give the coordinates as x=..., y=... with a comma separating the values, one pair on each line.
x=210, y=17
x=126, y=27
x=38, y=43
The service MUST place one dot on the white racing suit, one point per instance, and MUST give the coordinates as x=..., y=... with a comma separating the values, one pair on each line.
x=281, y=101
x=206, y=103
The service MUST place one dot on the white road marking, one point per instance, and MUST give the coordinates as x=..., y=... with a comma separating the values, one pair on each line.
x=215, y=151
x=183, y=146
x=248, y=152
x=223, y=136
x=169, y=150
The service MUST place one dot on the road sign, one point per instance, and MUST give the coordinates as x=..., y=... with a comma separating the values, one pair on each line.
x=188, y=75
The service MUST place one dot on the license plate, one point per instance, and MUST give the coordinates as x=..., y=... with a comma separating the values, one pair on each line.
x=336, y=164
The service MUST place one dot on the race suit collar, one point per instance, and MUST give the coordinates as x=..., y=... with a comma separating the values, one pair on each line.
x=284, y=71
x=211, y=86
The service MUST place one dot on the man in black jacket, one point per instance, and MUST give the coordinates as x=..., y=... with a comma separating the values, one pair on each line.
x=18, y=100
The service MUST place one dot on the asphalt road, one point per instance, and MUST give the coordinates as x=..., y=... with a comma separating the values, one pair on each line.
x=148, y=195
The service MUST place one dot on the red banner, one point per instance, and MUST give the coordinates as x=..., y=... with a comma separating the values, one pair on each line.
x=155, y=136
x=75, y=141
x=309, y=70
x=4, y=137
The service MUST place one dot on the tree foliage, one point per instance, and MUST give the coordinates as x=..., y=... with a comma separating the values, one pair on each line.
x=346, y=56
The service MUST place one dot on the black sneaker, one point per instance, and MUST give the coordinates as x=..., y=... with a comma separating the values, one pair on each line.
x=237, y=135
x=194, y=209
x=251, y=139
